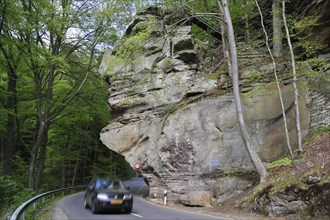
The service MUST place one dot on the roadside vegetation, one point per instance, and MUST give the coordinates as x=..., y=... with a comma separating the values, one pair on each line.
x=303, y=182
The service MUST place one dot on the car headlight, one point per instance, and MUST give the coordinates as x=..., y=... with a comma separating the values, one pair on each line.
x=102, y=196
x=127, y=196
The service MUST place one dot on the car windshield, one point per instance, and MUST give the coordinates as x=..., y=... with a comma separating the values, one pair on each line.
x=106, y=184
x=116, y=185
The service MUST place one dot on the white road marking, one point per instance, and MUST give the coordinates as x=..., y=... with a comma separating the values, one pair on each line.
x=140, y=216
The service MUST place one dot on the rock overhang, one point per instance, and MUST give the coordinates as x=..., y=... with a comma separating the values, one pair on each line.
x=173, y=127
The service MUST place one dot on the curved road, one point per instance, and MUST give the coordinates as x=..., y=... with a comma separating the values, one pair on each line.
x=74, y=209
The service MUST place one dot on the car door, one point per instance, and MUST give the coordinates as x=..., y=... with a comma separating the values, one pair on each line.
x=89, y=192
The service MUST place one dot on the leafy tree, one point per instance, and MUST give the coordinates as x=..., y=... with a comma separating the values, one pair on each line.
x=51, y=50
x=52, y=100
x=11, y=54
x=13, y=194
x=242, y=11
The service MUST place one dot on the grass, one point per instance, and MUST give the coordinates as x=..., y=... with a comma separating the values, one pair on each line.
x=42, y=210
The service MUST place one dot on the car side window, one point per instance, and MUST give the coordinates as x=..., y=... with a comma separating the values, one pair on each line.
x=91, y=185
x=98, y=185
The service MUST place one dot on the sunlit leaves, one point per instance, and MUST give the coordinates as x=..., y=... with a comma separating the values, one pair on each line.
x=241, y=8
x=305, y=22
x=302, y=32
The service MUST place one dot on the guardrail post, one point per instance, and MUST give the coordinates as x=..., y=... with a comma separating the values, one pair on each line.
x=165, y=195
x=34, y=205
x=23, y=216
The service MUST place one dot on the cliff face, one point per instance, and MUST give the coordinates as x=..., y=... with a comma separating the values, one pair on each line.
x=179, y=124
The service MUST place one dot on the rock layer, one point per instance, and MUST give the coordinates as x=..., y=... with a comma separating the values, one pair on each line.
x=178, y=125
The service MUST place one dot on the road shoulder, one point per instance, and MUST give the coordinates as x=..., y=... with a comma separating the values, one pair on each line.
x=58, y=213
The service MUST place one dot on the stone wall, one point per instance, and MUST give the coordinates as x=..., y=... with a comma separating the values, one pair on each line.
x=320, y=110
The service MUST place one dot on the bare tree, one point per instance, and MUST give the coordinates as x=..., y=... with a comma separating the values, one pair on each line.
x=277, y=29
x=296, y=95
x=277, y=81
x=247, y=138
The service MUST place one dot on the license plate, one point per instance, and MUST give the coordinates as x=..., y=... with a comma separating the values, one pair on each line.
x=116, y=202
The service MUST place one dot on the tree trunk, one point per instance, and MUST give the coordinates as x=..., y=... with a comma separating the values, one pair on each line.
x=277, y=29
x=11, y=62
x=45, y=115
x=11, y=105
x=296, y=93
x=37, y=161
x=246, y=23
x=76, y=166
x=62, y=173
x=223, y=41
x=234, y=66
x=34, y=156
x=41, y=160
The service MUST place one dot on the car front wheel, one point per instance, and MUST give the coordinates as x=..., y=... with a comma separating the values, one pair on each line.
x=94, y=207
x=128, y=210
x=85, y=203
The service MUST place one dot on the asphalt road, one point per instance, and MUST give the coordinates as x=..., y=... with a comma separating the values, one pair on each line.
x=142, y=209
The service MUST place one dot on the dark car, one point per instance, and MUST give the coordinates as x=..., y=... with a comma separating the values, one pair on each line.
x=104, y=194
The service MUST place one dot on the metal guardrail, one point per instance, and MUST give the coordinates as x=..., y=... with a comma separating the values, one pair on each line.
x=20, y=211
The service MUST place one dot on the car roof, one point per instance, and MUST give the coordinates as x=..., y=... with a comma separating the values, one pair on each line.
x=106, y=180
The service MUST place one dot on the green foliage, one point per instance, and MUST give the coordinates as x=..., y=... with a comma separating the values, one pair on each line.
x=50, y=68
x=314, y=69
x=168, y=63
x=44, y=209
x=207, y=10
x=21, y=196
x=305, y=22
x=131, y=45
x=255, y=92
x=254, y=76
x=8, y=188
x=112, y=165
x=212, y=76
x=243, y=14
x=315, y=134
x=278, y=163
x=240, y=9
x=301, y=28
x=202, y=35
x=13, y=194
x=310, y=47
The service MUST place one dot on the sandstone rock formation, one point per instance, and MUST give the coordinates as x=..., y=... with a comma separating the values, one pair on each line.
x=174, y=121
